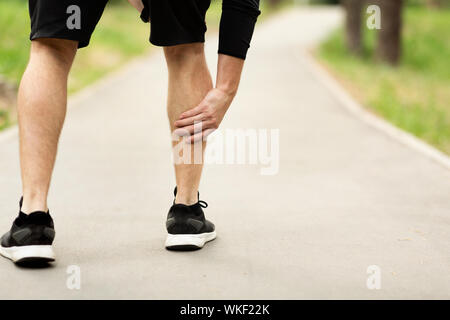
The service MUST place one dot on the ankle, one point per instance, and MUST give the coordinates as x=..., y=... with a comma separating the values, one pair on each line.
x=187, y=199
x=33, y=203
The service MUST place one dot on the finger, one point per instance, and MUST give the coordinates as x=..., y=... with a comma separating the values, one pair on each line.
x=194, y=128
x=199, y=126
x=192, y=112
x=200, y=136
x=186, y=131
x=183, y=132
x=189, y=121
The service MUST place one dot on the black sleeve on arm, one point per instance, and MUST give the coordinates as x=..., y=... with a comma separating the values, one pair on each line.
x=236, y=26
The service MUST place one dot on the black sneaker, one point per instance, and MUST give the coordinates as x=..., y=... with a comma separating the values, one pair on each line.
x=30, y=238
x=187, y=227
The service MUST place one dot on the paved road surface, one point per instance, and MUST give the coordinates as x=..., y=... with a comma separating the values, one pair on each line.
x=346, y=196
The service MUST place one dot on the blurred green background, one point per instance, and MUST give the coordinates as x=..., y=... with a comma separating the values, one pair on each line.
x=412, y=90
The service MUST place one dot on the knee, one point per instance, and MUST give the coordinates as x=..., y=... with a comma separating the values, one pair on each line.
x=184, y=54
x=59, y=49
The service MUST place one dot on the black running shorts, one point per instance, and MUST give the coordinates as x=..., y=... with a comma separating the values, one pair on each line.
x=65, y=19
x=176, y=22
x=173, y=22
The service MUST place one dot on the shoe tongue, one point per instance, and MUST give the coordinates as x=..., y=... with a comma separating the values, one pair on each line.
x=32, y=214
x=37, y=217
x=185, y=206
x=37, y=213
x=184, y=210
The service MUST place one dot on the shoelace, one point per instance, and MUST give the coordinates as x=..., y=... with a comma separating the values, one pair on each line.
x=202, y=204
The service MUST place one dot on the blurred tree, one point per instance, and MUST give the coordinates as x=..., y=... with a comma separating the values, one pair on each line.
x=389, y=37
x=435, y=3
x=353, y=10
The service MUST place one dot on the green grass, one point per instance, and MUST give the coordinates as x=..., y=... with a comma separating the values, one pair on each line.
x=4, y=119
x=14, y=44
x=415, y=96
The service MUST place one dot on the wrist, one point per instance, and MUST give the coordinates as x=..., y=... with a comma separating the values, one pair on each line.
x=228, y=90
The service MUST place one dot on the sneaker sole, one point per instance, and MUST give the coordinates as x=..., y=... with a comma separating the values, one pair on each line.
x=29, y=253
x=188, y=242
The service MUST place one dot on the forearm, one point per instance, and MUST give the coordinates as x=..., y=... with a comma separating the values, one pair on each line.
x=229, y=70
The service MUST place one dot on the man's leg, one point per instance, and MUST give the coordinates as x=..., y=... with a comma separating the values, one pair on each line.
x=189, y=82
x=42, y=104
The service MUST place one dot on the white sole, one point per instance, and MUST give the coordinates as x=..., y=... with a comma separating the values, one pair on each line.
x=189, y=241
x=28, y=253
